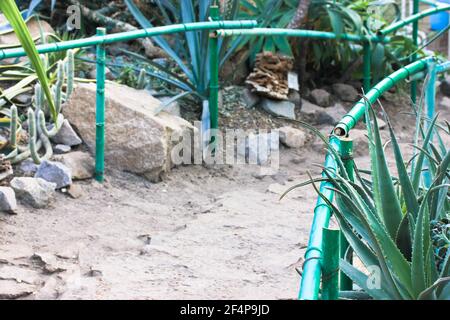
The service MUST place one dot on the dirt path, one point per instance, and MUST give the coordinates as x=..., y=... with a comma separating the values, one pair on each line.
x=216, y=233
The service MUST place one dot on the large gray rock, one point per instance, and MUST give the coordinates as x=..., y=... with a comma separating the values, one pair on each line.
x=345, y=92
x=7, y=199
x=81, y=164
x=292, y=137
x=279, y=108
x=35, y=192
x=137, y=140
x=55, y=172
x=66, y=135
x=321, y=97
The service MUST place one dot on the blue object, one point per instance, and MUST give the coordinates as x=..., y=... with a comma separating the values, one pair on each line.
x=439, y=20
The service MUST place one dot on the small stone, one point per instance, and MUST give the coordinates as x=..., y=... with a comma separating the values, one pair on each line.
x=28, y=167
x=75, y=191
x=81, y=164
x=295, y=98
x=11, y=289
x=173, y=107
x=7, y=171
x=321, y=97
x=7, y=199
x=292, y=137
x=345, y=92
x=33, y=191
x=66, y=135
x=61, y=149
x=249, y=98
x=48, y=262
x=279, y=108
x=55, y=172
x=23, y=99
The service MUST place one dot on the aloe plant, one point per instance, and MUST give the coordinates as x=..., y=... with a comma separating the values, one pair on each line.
x=396, y=225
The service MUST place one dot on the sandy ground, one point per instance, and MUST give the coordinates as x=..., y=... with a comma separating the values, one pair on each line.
x=203, y=233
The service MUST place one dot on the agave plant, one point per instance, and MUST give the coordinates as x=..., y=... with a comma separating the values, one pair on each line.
x=188, y=51
x=396, y=225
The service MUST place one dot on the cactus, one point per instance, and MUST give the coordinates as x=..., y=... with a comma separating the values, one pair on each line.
x=13, y=134
x=13, y=128
x=58, y=86
x=38, y=133
x=70, y=66
x=38, y=97
x=34, y=132
x=32, y=139
x=142, y=80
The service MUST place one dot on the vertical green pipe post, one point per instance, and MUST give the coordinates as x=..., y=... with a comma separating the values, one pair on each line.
x=430, y=98
x=367, y=60
x=330, y=264
x=415, y=35
x=100, y=111
x=346, y=153
x=214, y=70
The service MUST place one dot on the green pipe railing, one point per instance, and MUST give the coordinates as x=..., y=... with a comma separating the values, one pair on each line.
x=413, y=19
x=312, y=34
x=130, y=35
x=357, y=112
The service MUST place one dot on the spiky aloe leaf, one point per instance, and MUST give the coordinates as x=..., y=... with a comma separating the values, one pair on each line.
x=387, y=202
x=362, y=281
x=403, y=238
x=407, y=188
x=431, y=292
x=418, y=164
x=12, y=13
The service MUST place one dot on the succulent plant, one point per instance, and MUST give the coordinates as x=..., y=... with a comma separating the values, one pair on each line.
x=396, y=225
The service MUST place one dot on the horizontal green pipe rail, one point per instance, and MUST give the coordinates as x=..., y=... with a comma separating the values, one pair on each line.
x=357, y=112
x=313, y=34
x=130, y=35
x=413, y=18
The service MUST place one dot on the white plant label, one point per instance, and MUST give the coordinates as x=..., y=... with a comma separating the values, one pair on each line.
x=293, y=81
